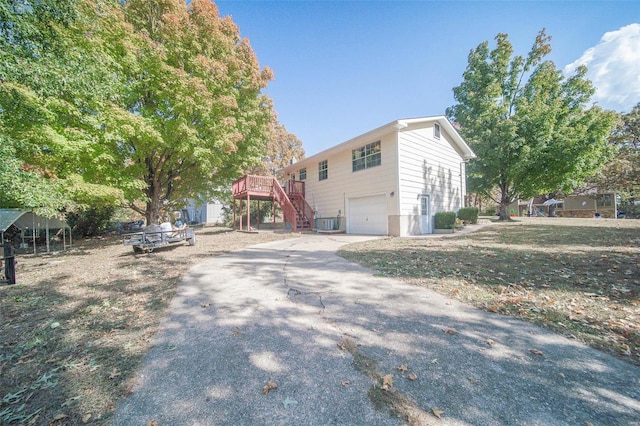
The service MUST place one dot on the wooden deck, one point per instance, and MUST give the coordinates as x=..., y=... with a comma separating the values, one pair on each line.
x=291, y=199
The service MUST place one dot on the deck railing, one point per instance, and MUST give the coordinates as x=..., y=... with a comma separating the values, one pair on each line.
x=295, y=188
x=269, y=187
x=253, y=185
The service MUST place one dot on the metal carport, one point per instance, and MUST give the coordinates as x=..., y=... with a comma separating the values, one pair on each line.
x=30, y=225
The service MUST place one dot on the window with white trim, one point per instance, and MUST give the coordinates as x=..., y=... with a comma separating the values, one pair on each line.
x=302, y=174
x=323, y=170
x=366, y=156
x=436, y=130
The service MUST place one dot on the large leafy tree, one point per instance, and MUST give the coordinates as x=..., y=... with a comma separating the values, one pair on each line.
x=529, y=126
x=194, y=117
x=622, y=173
x=54, y=78
x=147, y=102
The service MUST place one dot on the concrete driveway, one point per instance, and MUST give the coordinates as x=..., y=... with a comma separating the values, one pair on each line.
x=328, y=333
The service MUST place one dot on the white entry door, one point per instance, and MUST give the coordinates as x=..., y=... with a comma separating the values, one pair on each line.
x=425, y=213
x=368, y=215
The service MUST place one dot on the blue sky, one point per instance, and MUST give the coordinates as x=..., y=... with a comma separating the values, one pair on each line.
x=345, y=67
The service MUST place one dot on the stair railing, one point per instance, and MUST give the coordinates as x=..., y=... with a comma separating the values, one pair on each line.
x=288, y=210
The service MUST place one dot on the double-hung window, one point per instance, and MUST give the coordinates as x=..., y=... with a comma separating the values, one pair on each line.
x=366, y=156
x=323, y=170
x=303, y=174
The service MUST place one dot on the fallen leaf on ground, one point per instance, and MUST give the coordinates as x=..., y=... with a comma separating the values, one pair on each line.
x=437, y=412
x=205, y=305
x=86, y=418
x=345, y=383
x=152, y=423
x=269, y=386
x=536, y=352
x=403, y=368
x=448, y=330
x=235, y=331
x=412, y=377
x=387, y=382
x=59, y=417
x=490, y=342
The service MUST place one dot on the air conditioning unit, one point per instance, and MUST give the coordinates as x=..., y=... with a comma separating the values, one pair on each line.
x=325, y=224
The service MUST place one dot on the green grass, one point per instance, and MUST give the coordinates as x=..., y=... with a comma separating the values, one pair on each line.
x=578, y=277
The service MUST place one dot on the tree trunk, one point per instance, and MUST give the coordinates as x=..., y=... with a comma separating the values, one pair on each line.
x=504, y=212
x=153, y=213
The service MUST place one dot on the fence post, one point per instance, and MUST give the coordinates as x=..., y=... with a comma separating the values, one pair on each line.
x=9, y=264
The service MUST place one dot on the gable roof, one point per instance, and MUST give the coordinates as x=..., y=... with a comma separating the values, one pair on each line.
x=458, y=143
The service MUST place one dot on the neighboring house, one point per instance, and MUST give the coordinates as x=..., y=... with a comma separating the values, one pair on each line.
x=589, y=205
x=389, y=181
x=205, y=212
x=574, y=205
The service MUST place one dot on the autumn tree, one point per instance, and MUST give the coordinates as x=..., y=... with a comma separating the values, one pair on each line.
x=282, y=149
x=139, y=101
x=195, y=116
x=622, y=173
x=529, y=126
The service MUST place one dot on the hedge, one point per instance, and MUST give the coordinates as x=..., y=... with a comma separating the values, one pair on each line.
x=468, y=214
x=445, y=220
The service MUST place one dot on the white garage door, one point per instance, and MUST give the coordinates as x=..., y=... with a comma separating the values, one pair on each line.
x=368, y=215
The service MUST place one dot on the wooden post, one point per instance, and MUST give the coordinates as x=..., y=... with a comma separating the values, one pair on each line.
x=248, y=212
x=273, y=203
x=240, y=210
x=234, y=214
x=258, y=224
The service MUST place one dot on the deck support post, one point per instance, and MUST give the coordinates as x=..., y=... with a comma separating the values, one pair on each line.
x=234, y=214
x=248, y=212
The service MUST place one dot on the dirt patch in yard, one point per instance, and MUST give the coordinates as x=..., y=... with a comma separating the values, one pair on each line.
x=77, y=324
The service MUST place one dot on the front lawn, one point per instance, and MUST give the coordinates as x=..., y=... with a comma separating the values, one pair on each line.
x=578, y=277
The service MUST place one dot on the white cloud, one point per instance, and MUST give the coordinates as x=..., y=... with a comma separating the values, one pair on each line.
x=614, y=68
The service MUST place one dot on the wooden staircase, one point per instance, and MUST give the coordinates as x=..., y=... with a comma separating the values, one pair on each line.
x=291, y=199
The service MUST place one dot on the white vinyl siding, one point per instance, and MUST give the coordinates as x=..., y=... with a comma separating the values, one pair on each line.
x=429, y=166
x=415, y=165
x=328, y=197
